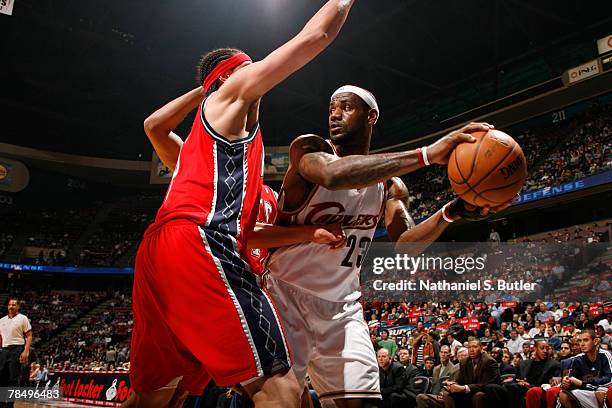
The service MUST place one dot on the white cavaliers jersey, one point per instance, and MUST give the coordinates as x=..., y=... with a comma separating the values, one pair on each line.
x=331, y=274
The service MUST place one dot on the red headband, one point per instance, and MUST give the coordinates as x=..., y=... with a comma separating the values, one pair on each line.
x=224, y=67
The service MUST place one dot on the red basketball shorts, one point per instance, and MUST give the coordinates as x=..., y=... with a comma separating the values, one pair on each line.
x=199, y=313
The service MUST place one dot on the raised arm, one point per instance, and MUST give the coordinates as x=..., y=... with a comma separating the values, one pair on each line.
x=310, y=154
x=160, y=124
x=253, y=81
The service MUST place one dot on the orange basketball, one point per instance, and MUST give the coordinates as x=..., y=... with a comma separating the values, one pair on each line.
x=490, y=171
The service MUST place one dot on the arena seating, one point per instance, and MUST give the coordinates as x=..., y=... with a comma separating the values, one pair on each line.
x=122, y=229
x=54, y=311
x=106, y=327
x=555, y=154
x=6, y=240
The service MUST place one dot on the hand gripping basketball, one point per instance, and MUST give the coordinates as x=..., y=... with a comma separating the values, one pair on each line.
x=440, y=151
x=459, y=209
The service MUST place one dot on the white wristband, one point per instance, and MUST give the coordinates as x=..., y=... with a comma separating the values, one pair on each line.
x=444, y=210
x=425, y=159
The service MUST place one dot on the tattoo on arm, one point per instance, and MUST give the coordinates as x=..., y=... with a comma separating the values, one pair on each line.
x=356, y=171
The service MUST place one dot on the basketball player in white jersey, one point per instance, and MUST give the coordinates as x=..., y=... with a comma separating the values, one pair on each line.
x=315, y=289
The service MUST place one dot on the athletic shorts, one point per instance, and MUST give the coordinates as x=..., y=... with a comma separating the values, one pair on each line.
x=330, y=341
x=587, y=398
x=199, y=313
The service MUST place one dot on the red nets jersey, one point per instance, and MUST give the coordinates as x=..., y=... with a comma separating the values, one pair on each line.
x=216, y=183
x=266, y=215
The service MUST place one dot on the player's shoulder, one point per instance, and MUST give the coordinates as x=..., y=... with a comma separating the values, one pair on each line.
x=308, y=144
x=605, y=353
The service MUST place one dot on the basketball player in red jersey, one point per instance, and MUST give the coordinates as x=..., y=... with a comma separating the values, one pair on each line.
x=317, y=290
x=192, y=267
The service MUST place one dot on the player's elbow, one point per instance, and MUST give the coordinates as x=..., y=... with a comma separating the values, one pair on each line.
x=331, y=181
x=150, y=125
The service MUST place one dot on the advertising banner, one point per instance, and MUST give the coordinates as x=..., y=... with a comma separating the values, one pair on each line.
x=6, y=7
x=582, y=72
x=101, y=388
x=592, y=181
x=604, y=45
x=14, y=175
x=67, y=269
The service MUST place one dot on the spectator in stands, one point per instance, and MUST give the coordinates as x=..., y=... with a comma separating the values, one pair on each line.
x=428, y=368
x=515, y=344
x=606, y=322
x=504, y=368
x=446, y=367
x=421, y=349
x=544, y=315
x=497, y=340
x=373, y=322
x=462, y=353
x=521, y=332
x=591, y=373
x=111, y=356
x=570, y=330
x=503, y=330
x=392, y=380
x=374, y=339
x=553, y=339
x=494, y=236
x=42, y=376
x=516, y=360
x=532, y=374
x=388, y=343
x=565, y=351
x=566, y=318
x=34, y=370
x=607, y=337
x=411, y=373
x=526, y=350
x=475, y=373
x=404, y=359
x=453, y=343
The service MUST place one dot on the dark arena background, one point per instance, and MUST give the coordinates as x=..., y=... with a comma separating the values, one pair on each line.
x=80, y=183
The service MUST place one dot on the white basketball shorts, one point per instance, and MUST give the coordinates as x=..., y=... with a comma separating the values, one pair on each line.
x=330, y=341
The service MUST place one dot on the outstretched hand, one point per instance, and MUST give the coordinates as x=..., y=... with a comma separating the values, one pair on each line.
x=331, y=235
x=460, y=209
x=440, y=151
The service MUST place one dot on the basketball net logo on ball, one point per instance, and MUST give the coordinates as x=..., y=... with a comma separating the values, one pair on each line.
x=488, y=172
